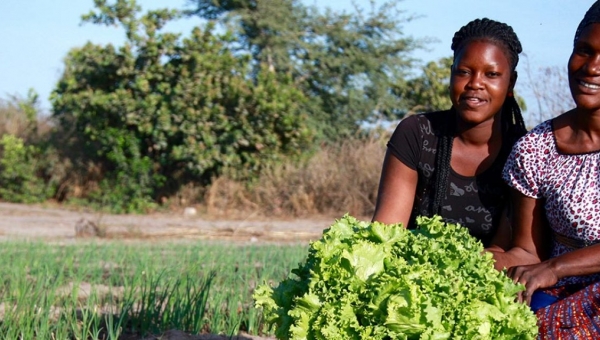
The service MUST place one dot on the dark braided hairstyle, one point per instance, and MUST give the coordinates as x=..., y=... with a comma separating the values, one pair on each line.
x=592, y=16
x=513, y=126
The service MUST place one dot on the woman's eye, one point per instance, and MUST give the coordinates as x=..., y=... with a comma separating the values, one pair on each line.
x=582, y=50
x=493, y=74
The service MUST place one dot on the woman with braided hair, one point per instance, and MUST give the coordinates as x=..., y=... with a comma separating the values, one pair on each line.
x=554, y=172
x=450, y=162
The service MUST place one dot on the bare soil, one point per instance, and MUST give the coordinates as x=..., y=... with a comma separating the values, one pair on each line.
x=56, y=224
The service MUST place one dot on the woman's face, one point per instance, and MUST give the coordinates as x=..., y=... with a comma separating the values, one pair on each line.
x=584, y=69
x=480, y=81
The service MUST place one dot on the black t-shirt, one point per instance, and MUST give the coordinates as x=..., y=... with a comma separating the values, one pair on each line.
x=475, y=202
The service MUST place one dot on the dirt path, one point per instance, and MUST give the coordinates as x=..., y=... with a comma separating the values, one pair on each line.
x=32, y=222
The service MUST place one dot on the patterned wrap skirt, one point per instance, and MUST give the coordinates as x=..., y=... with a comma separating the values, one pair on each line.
x=576, y=314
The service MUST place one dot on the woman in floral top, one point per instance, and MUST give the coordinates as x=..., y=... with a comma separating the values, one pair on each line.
x=554, y=172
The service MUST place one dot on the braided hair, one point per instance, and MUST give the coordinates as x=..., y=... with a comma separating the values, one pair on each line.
x=592, y=16
x=513, y=126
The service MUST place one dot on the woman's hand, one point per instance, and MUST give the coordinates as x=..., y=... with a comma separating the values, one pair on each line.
x=533, y=277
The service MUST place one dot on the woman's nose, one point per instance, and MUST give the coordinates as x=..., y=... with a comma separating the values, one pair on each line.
x=593, y=65
x=475, y=81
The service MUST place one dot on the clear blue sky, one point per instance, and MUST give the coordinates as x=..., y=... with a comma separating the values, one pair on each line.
x=36, y=35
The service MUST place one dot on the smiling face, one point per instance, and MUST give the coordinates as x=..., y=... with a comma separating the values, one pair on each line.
x=584, y=69
x=481, y=79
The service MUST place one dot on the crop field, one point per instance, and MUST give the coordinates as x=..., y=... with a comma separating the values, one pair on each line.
x=132, y=290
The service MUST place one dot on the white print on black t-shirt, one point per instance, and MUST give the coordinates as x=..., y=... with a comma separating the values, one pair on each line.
x=456, y=191
x=471, y=187
x=476, y=209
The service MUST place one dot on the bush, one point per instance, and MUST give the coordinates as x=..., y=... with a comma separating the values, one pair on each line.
x=19, y=166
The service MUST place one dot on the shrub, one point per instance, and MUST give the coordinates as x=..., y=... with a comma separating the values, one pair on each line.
x=19, y=165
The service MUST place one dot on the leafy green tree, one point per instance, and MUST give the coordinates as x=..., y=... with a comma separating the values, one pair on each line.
x=163, y=110
x=428, y=91
x=344, y=63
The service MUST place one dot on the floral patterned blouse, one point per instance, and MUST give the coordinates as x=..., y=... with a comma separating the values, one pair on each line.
x=569, y=184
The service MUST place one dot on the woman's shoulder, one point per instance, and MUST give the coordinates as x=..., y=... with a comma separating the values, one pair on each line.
x=543, y=127
x=428, y=122
x=436, y=116
x=540, y=133
x=537, y=141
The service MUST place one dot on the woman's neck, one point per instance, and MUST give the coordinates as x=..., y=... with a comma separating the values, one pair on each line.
x=480, y=134
x=577, y=131
x=586, y=121
x=475, y=148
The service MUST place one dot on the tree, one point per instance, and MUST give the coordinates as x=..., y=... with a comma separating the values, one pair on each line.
x=428, y=91
x=344, y=63
x=25, y=158
x=161, y=110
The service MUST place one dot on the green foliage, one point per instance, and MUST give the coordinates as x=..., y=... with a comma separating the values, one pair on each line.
x=19, y=166
x=429, y=91
x=162, y=110
x=29, y=107
x=345, y=63
x=129, y=189
x=375, y=281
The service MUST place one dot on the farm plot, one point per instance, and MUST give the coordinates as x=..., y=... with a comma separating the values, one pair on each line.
x=136, y=290
x=57, y=286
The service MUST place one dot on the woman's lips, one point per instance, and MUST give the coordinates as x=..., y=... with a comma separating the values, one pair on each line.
x=588, y=85
x=472, y=101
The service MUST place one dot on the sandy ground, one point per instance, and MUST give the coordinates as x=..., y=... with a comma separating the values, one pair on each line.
x=51, y=223
x=59, y=224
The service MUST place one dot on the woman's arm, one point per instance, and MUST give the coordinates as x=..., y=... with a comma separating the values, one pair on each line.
x=584, y=261
x=397, y=189
x=580, y=262
x=531, y=242
x=502, y=240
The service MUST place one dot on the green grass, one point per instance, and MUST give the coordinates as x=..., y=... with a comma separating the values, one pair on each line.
x=105, y=290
